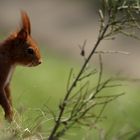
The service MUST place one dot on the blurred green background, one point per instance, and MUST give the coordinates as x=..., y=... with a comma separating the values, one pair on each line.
x=59, y=27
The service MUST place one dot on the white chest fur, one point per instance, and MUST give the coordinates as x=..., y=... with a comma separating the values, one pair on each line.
x=9, y=74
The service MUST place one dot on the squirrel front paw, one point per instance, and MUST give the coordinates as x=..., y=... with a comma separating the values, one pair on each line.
x=9, y=116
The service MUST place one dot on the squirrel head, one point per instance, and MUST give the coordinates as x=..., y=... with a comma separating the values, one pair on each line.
x=24, y=50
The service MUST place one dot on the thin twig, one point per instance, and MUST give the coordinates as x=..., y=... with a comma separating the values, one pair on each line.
x=112, y=52
x=100, y=72
x=69, y=78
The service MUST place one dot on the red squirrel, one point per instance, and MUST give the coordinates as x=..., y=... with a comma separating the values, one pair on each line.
x=18, y=49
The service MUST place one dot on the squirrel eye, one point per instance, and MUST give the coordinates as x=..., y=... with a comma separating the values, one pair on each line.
x=30, y=51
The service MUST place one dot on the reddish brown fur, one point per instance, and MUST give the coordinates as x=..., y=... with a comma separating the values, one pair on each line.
x=20, y=49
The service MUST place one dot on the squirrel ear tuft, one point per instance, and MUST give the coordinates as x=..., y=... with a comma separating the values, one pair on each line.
x=26, y=22
x=22, y=35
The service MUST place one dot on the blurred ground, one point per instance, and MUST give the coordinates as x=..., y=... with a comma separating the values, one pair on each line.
x=62, y=25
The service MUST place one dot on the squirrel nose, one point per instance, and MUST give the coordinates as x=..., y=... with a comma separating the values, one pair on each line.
x=40, y=61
